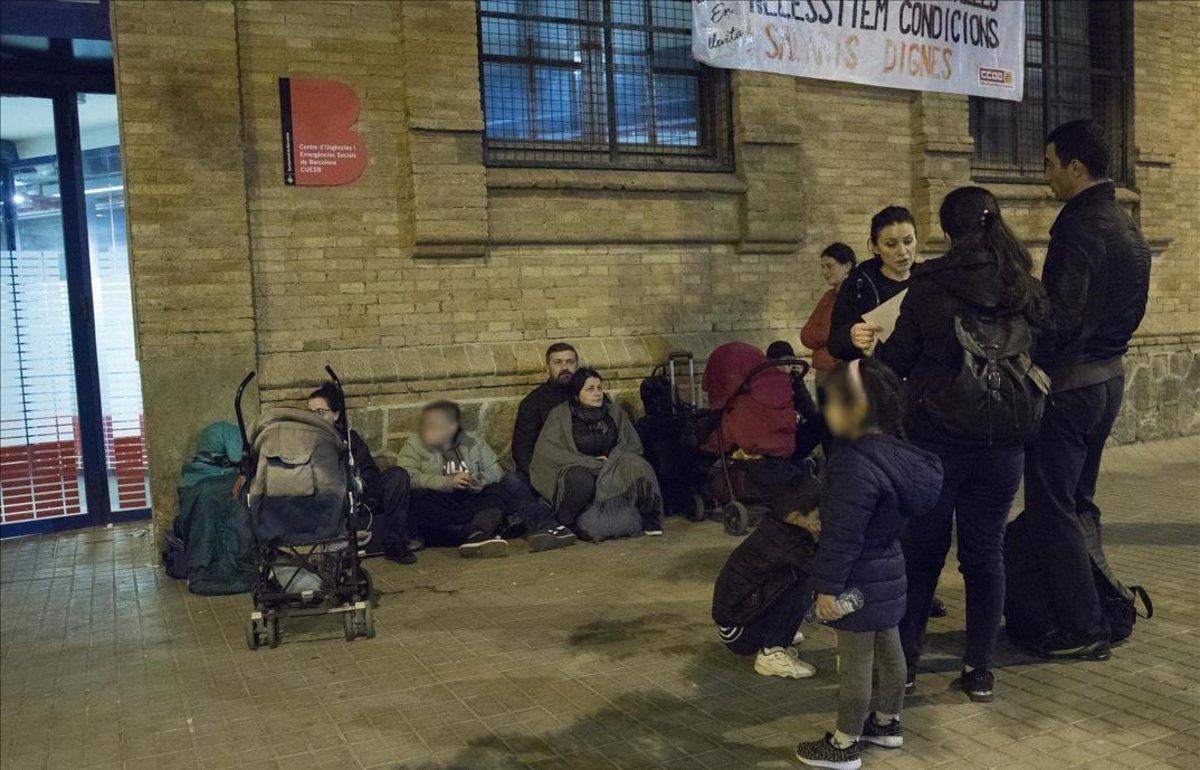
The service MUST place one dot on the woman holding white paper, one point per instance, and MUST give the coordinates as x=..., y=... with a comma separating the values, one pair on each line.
x=980, y=299
x=893, y=241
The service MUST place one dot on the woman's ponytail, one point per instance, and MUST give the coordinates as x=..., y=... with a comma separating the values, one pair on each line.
x=971, y=217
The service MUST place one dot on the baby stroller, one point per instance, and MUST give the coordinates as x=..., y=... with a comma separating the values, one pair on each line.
x=671, y=431
x=756, y=437
x=303, y=492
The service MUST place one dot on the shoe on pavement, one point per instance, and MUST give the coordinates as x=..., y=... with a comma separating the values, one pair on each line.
x=910, y=682
x=395, y=552
x=782, y=661
x=823, y=753
x=798, y=638
x=888, y=735
x=481, y=546
x=977, y=684
x=549, y=539
x=1068, y=646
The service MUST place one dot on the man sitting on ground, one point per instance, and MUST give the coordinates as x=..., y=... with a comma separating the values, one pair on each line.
x=457, y=497
x=385, y=493
x=762, y=594
x=561, y=363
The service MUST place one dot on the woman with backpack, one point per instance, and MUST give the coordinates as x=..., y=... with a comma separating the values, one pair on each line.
x=962, y=342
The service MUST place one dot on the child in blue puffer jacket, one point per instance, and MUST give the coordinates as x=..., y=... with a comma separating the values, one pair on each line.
x=873, y=482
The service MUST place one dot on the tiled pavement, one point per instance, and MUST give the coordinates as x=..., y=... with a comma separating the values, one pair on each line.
x=596, y=656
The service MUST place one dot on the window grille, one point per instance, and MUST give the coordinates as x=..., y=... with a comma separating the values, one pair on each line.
x=599, y=84
x=1078, y=64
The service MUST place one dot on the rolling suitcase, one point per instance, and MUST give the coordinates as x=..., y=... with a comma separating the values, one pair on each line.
x=671, y=432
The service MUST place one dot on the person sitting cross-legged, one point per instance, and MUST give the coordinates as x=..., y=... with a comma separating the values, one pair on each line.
x=588, y=462
x=761, y=596
x=456, y=499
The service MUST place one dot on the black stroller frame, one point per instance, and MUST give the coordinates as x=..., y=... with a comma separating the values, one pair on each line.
x=738, y=516
x=345, y=585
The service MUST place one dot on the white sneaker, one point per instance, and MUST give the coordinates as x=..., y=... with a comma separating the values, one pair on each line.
x=779, y=661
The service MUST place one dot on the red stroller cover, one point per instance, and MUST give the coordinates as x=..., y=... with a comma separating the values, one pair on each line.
x=760, y=420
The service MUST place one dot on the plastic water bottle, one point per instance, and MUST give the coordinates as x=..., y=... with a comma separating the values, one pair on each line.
x=850, y=600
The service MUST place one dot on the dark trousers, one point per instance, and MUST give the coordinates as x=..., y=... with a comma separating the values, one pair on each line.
x=525, y=503
x=449, y=518
x=579, y=487
x=775, y=627
x=389, y=513
x=978, y=488
x=1061, y=469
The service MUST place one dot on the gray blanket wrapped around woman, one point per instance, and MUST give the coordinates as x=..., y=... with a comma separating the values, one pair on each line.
x=627, y=496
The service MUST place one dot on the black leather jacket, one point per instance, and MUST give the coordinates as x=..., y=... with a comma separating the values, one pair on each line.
x=1097, y=277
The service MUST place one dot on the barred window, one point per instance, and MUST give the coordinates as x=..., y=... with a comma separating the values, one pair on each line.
x=1078, y=64
x=599, y=84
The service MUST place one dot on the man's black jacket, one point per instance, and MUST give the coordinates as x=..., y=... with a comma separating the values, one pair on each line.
x=1097, y=277
x=531, y=416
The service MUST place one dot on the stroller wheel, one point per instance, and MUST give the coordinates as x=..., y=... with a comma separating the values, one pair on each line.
x=699, y=511
x=737, y=518
x=272, y=624
x=368, y=622
x=251, y=634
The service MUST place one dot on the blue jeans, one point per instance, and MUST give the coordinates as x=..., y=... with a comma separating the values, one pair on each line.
x=977, y=493
x=525, y=502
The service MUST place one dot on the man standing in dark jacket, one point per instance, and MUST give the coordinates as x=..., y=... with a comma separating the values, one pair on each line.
x=1097, y=276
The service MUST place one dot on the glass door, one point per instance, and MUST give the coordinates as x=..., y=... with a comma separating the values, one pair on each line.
x=41, y=452
x=72, y=444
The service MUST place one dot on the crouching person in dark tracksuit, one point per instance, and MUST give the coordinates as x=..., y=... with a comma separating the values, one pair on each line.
x=762, y=592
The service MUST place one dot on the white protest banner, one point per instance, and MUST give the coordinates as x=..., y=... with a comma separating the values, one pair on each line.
x=972, y=47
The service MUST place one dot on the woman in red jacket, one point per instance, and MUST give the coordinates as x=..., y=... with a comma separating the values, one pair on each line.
x=837, y=260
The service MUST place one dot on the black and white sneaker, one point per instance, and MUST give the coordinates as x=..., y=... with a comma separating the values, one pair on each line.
x=888, y=735
x=823, y=753
x=977, y=684
x=481, y=546
x=549, y=539
x=1067, y=646
x=910, y=682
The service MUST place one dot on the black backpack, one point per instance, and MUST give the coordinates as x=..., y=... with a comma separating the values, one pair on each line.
x=998, y=394
x=1028, y=605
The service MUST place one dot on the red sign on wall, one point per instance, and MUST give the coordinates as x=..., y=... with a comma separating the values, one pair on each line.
x=319, y=147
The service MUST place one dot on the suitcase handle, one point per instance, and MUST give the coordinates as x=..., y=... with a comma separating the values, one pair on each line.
x=681, y=356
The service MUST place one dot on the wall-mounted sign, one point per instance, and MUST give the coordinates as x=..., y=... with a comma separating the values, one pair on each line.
x=319, y=147
x=972, y=47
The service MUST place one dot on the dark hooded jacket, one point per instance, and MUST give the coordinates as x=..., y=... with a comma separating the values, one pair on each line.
x=531, y=416
x=872, y=486
x=1097, y=275
x=865, y=288
x=923, y=349
x=775, y=558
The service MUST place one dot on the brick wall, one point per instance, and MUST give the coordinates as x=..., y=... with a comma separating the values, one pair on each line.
x=434, y=274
